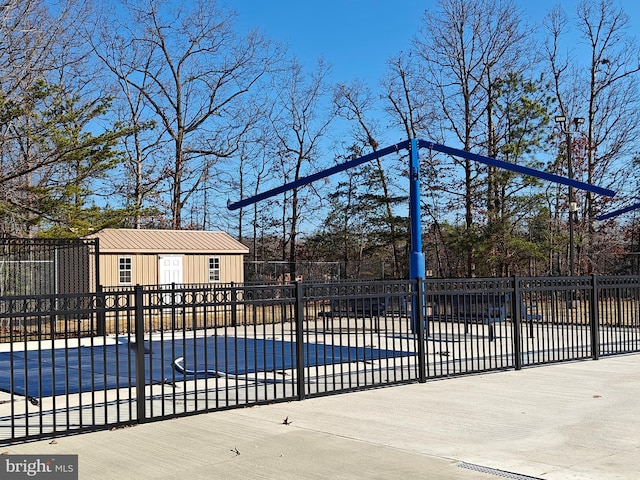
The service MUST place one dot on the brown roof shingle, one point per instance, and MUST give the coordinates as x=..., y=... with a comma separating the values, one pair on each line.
x=129, y=240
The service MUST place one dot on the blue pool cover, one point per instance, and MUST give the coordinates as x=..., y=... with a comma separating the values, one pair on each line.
x=48, y=372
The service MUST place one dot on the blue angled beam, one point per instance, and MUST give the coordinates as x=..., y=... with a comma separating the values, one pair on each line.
x=615, y=213
x=319, y=175
x=432, y=146
x=532, y=172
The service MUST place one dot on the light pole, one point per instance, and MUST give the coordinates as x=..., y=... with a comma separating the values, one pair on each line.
x=573, y=208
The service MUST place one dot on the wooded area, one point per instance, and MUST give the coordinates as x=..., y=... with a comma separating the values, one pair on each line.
x=152, y=114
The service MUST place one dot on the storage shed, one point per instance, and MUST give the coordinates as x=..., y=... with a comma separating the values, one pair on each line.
x=150, y=257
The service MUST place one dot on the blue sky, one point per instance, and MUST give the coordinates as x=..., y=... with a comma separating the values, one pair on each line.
x=358, y=36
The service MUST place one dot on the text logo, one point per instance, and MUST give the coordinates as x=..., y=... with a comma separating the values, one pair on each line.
x=57, y=467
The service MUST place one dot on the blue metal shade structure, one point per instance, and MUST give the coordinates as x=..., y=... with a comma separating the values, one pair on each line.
x=416, y=259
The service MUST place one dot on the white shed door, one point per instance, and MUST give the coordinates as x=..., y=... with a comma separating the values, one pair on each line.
x=170, y=270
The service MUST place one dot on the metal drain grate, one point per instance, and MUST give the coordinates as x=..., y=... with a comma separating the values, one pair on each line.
x=496, y=472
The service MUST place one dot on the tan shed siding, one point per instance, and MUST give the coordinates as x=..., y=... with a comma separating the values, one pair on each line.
x=106, y=271
x=145, y=268
x=92, y=269
x=196, y=268
x=231, y=268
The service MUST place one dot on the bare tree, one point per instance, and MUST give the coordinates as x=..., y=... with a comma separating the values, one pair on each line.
x=300, y=121
x=255, y=169
x=29, y=33
x=356, y=104
x=141, y=178
x=411, y=107
x=465, y=46
x=193, y=73
x=44, y=83
x=608, y=86
x=612, y=99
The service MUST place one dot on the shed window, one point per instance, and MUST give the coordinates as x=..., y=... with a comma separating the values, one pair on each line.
x=214, y=269
x=124, y=270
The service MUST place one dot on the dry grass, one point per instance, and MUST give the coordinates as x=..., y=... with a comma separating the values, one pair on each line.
x=622, y=314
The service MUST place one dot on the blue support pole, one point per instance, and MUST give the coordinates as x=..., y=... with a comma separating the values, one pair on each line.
x=416, y=259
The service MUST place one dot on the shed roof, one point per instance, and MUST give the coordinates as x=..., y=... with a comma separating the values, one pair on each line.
x=128, y=240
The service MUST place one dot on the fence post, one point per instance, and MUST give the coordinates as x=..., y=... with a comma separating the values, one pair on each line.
x=416, y=305
x=516, y=318
x=101, y=327
x=234, y=305
x=299, y=325
x=141, y=399
x=594, y=318
x=173, y=308
x=422, y=355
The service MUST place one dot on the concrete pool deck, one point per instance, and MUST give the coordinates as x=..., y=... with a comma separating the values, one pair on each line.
x=578, y=420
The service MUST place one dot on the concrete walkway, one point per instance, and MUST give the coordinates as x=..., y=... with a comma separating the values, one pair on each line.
x=566, y=421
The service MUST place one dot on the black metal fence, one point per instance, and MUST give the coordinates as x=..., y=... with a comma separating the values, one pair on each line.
x=37, y=266
x=75, y=362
